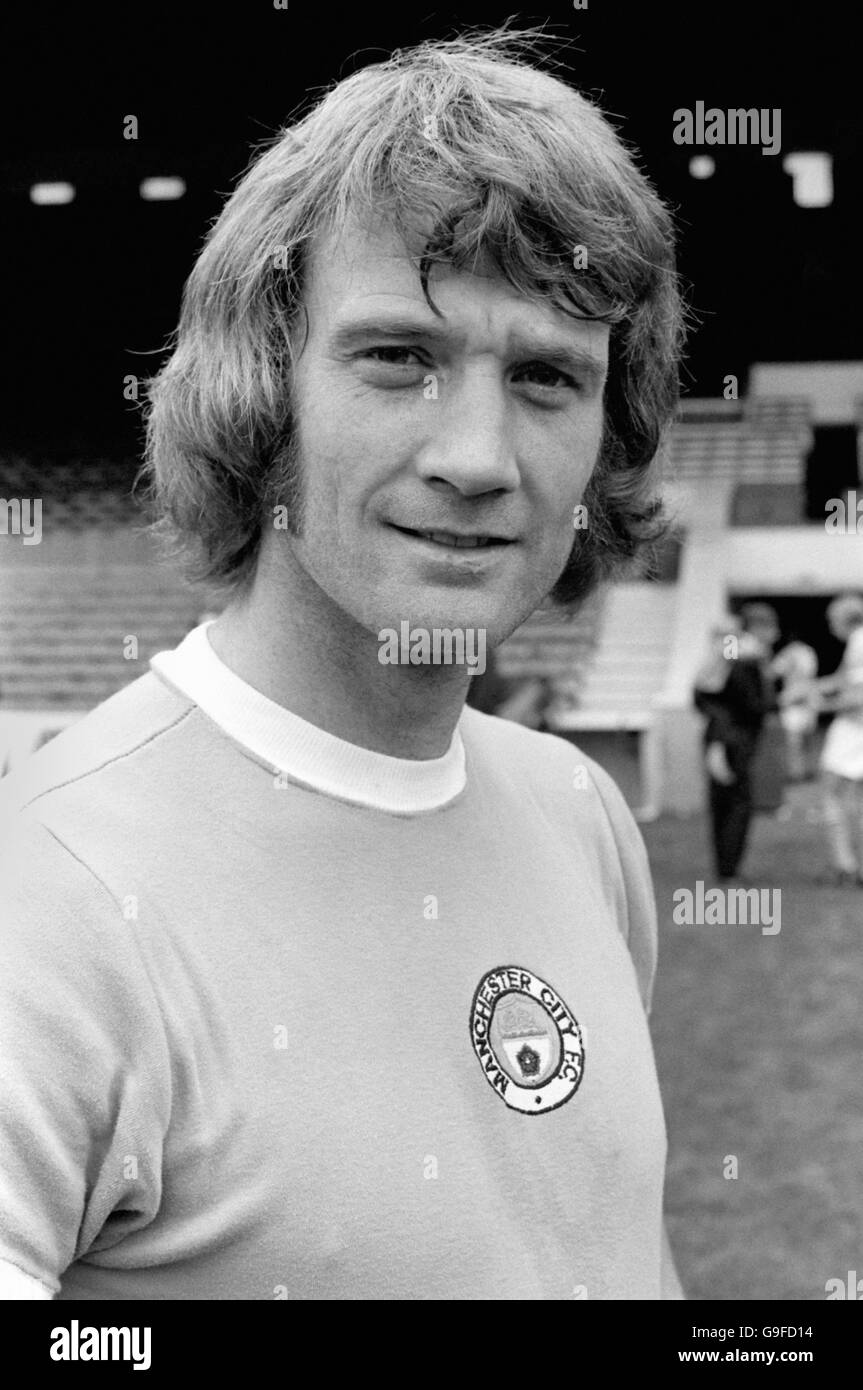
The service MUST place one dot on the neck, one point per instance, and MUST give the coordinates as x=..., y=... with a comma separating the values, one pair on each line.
x=287, y=640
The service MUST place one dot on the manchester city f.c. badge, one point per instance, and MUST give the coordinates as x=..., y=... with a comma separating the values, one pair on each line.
x=528, y=1042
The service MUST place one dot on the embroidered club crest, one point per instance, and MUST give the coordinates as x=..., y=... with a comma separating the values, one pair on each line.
x=527, y=1041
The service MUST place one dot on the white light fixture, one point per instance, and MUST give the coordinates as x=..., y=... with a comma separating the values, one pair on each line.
x=701, y=166
x=813, y=178
x=162, y=190
x=51, y=194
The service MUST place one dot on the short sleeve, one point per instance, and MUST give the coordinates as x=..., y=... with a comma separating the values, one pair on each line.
x=639, y=902
x=83, y=1102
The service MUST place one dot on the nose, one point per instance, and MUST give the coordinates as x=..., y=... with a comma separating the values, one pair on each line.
x=469, y=445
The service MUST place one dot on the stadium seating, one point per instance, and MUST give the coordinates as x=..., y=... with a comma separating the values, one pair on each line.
x=551, y=646
x=760, y=441
x=70, y=637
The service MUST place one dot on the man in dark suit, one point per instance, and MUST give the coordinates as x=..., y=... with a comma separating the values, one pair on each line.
x=735, y=693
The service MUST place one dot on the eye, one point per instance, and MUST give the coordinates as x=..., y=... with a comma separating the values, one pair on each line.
x=393, y=355
x=544, y=375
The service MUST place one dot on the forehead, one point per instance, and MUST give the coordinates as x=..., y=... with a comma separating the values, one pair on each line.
x=365, y=270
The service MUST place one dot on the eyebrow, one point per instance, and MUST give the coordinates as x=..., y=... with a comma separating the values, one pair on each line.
x=521, y=343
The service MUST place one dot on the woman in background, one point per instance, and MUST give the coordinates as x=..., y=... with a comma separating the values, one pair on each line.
x=796, y=666
x=842, y=754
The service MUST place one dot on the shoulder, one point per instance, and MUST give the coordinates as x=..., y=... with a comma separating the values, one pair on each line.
x=546, y=762
x=77, y=814
x=67, y=947
x=579, y=800
x=111, y=734
x=59, y=920
x=490, y=734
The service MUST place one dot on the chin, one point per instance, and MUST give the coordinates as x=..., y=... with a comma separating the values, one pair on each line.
x=462, y=616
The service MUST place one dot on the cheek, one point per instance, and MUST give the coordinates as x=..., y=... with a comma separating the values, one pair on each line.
x=567, y=467
x=352, y=447
x=329, y=463
x=591, y=442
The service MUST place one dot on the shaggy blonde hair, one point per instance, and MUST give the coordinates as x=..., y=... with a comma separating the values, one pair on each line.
x=468, y=137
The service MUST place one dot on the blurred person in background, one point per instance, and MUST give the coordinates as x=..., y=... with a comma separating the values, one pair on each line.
x=734, y=692
x=842, y=753
x=796, y=667
x=769, y=770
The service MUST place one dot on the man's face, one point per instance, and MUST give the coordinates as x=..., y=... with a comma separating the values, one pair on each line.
x=414, y=430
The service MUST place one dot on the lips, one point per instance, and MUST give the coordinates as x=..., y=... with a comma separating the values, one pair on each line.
x=456, y=540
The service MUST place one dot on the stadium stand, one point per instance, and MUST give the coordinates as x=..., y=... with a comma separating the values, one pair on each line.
x=754, y=442
x=70, y=638
x=84, y=606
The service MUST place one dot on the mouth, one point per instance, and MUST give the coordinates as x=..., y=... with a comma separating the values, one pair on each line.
x=454, y=540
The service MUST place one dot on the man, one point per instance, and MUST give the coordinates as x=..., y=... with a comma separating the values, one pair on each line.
x=735, y=693
x=324, y=986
